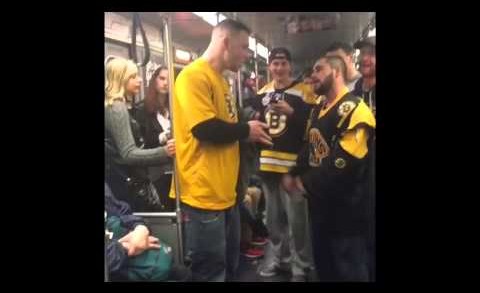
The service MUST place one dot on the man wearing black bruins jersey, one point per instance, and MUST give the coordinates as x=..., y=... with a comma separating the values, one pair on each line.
x=332, y=173
x=284, y=104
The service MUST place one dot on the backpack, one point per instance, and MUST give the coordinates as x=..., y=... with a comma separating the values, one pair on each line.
x=151, y=265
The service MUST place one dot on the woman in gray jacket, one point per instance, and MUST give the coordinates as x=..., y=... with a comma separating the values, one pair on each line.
x=125, y=159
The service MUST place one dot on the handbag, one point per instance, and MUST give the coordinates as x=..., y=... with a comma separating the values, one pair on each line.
x=143, y=193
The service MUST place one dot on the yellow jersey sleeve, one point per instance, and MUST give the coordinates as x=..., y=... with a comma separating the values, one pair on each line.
x=362, y=114
x=195, y=98
x=354, y=142
x=355, y=139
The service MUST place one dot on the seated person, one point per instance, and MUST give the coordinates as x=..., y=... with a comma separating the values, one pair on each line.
x=254, y=232
x=132, y=253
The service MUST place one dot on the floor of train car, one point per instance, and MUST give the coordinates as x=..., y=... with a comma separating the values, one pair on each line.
x=247, y=272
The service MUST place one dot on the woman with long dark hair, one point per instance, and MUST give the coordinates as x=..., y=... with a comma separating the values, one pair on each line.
x=157, y=131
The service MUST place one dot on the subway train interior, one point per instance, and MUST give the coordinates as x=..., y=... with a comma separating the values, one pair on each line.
x=161, y=45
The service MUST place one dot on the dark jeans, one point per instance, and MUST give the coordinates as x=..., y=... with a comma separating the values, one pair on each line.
x=372, y=252
x=339, y=258
x=212, y=243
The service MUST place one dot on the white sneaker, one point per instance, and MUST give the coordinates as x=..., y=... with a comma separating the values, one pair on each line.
x=270, y=270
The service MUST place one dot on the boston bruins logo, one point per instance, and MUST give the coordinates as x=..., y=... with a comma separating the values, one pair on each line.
x=345, y=108
x=318, y=147
x=231, y=107
x=277, y=122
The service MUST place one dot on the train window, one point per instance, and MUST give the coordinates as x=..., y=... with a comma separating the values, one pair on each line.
x=262, y=67
x=116, y=49
x=157, y=57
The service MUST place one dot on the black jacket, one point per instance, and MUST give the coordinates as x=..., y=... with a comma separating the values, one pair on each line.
x=368, y=97
x=149, y=126
x=152, y=131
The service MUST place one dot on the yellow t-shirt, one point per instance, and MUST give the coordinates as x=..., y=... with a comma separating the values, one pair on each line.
x=207, y=172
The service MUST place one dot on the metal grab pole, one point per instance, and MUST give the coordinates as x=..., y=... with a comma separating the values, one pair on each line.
x=239, y=73
x=168, y=49
x=256, y=66
x=106, y=278
x=239, y=86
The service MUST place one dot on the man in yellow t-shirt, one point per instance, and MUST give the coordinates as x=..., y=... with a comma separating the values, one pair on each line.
x=207, y=131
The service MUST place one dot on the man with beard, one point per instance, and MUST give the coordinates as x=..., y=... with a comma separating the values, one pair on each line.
x=365, y=86
x=330, y=173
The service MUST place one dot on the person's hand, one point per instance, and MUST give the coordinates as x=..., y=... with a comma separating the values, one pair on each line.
x=137, y=241
x=170, y=147
x=153, y=242
x=247, y=201
x=299, y=184
x=288, y=183
x=293, y=186
x=257, y=133
x=282, y=107
x=139, y=229
x=163, y=137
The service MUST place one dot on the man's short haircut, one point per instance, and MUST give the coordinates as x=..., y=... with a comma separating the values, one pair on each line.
x=341, y=45
x=232, y=26
x=336, y=63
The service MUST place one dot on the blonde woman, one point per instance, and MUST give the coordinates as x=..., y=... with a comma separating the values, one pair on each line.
x=125, y=159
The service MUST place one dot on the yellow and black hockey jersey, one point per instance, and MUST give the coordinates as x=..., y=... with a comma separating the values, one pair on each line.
x=334, y=165
x=337, y=144
x=288, y=133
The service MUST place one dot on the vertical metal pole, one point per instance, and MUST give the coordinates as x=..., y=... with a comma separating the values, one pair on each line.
x=171, y=83
x=268, y=76
x=106, y=279
x=239, y=77
x=256, y=66
x=144, y=82
x=239, y=85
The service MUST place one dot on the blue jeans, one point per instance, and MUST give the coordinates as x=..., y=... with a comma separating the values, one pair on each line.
x=212, y=243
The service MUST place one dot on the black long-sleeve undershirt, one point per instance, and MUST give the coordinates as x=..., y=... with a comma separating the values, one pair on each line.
x=218, y=131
